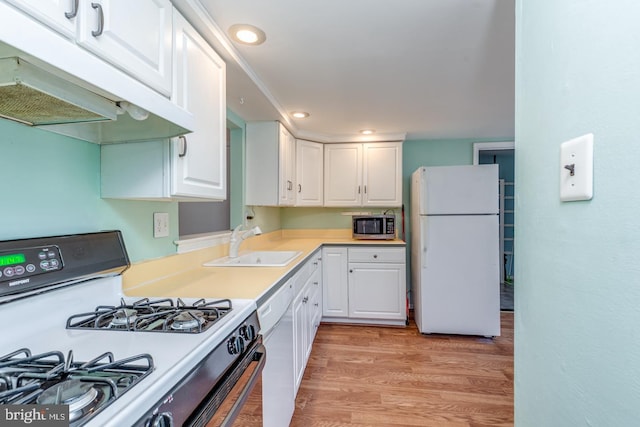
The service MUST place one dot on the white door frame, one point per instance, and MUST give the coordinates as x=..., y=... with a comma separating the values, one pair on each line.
x=492, y=146
x=484, y=146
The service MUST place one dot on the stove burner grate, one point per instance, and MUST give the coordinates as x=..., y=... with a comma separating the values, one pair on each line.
x=165, y=315
x=87, y=388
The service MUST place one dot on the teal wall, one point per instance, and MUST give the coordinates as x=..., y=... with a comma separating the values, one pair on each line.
x=52, y=186
x=577, y=303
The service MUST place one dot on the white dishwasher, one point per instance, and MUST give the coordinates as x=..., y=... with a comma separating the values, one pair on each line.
x=276, y=323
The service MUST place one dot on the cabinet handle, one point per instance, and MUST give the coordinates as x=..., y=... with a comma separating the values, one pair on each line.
x=305, y=299
x=316, y=283
x=375, y=256
x=316, y=304
x=98, y=7
x=74, y=10
x=358, y=189
x=289, y=185
x=350, y=271
x=299, y=188
x=365, y=189
x=184, y=146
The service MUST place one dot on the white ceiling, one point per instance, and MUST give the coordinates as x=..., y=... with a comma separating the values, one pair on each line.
x=433, y=69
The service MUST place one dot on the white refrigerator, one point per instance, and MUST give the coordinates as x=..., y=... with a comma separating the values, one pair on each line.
x=455, y=270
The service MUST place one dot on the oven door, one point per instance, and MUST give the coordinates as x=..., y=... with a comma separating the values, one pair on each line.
x=242, y=406
x=223, y=401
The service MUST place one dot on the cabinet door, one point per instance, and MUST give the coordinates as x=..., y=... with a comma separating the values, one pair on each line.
x=132, y=35
x=377, y=291
x=343, y=174
x=262, y=174
x=382, y=174
x=199, y=159
x=309, y=173
x=314, y=309
x=300, y=339
x=287, y=146
x=57, y=14
x=335, y=287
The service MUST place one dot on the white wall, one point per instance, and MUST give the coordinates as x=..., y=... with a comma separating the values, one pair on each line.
x=577, y=305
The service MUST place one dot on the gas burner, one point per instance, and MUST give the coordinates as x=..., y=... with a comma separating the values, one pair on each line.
x=124, y=317
x=164, y=315
x=188, y=319
x=50, y=379
x=81, y=396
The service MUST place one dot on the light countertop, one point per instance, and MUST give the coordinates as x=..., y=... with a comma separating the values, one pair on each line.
x=183, y=275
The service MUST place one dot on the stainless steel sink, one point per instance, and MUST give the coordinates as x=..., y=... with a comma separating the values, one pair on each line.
x=256, y=259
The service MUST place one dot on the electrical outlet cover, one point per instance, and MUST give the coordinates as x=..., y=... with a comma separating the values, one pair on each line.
x=576, y=169
x=160, y=224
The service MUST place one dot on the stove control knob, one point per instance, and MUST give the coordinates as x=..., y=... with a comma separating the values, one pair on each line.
x=235, y=345
x=248, y=332
x=164, y=419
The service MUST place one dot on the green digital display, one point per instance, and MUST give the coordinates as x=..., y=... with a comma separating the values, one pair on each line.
x=11, y=259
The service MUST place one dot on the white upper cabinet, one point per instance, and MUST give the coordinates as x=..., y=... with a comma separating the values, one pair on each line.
x=199, y=158
x=286, y=193
x=368, y=174
x=309, y=173
x=382, y=174
x=132, y=35
x=270, y=156
x=193, y=166
x=61, y=15
x=343, y=174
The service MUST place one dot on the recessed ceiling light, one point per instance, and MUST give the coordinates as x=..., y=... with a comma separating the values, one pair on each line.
x=367, y=131
x=247, y=34
x=300, y=114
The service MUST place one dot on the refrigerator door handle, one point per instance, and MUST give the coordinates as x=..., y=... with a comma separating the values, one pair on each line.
x=424, y=257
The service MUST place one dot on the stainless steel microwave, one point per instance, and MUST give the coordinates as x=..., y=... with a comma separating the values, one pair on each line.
x=374, y=227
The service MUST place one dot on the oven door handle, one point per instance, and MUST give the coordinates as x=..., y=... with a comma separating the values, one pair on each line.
x=246, y=382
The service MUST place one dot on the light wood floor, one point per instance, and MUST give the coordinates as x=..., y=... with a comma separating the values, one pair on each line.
x=382, y=376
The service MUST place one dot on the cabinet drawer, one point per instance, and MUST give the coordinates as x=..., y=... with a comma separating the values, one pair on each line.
x=377, y=254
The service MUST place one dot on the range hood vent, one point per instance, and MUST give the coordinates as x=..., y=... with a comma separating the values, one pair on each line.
x=35, y=97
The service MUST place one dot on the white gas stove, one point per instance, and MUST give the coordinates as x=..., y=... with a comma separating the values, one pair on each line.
x=62, y=297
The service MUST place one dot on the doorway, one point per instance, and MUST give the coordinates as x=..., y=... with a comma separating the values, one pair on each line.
x=503, y=154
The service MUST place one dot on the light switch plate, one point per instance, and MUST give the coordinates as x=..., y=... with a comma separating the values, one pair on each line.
x=160, y=224
x=576, y=169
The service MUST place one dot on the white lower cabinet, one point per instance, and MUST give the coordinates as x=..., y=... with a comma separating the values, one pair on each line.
x=365, y=285
x=289, y=320
x=307, y=309
x=335, y=287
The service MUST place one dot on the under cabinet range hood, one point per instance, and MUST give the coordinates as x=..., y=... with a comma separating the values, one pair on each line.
x=38, y=97
x=35, y=97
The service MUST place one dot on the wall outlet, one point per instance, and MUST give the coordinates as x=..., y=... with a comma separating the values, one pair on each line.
x=160, y=224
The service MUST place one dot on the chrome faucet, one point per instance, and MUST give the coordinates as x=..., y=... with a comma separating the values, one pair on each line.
x=237, y=237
